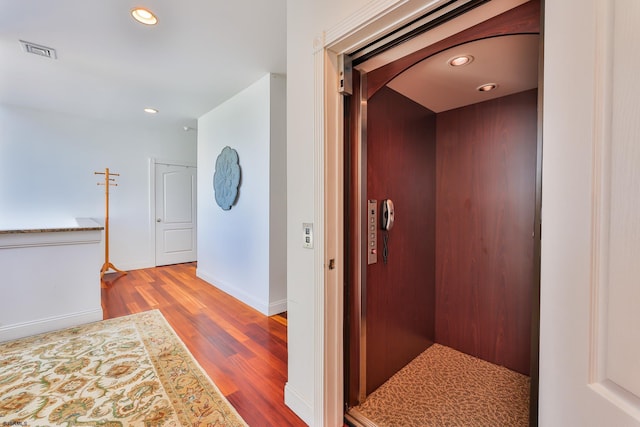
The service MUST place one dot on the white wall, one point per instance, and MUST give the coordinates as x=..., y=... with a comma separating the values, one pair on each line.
x=278, y=192
x=47, y=164
x=240, y=250
x=306, y=22
x=50, y=280
x=302, y=28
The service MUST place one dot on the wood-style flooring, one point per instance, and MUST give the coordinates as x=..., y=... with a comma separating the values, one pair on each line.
x=243, y=351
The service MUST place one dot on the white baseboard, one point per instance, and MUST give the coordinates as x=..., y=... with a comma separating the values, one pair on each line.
x=240, y=294
x=139, y=265
x=277, y=307
x=297, y=404
x=21, y=330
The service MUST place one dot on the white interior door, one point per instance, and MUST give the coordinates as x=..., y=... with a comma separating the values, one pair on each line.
x=175, y=214
x=590, y=270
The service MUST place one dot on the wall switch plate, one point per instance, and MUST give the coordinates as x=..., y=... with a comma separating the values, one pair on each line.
x=307, y=235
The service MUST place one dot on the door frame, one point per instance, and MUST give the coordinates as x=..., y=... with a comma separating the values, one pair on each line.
x=152, y=199
x=363, y=28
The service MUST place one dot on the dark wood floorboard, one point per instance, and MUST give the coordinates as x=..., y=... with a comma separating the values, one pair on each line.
x=243, y=351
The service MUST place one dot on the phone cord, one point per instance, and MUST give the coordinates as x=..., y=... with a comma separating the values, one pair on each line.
x=385, y=247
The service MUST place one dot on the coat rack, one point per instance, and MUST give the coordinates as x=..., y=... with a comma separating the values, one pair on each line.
x=108, y=182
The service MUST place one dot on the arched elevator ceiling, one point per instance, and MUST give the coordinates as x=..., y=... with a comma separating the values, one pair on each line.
x=510, y=62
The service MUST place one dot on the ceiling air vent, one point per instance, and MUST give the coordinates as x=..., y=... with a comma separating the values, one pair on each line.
x=37, y=49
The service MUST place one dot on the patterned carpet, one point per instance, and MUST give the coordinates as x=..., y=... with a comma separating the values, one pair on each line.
x=443, y=387
x=129, y=371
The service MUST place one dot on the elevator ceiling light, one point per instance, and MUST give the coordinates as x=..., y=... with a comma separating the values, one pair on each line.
x=150, y=110
x=144, y=16
x=487, y=87
x=460, y=60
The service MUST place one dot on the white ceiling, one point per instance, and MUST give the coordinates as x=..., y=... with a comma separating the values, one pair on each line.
x=201, y=53
x=511, y=62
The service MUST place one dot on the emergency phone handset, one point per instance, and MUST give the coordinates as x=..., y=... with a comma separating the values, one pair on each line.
x=387, y=214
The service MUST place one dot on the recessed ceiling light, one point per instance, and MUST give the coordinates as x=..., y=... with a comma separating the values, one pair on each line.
x=487, y=87
x=460, y=60
x=144, y=16
x=150, y=110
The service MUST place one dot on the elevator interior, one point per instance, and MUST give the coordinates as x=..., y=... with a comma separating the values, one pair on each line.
x=460, y=165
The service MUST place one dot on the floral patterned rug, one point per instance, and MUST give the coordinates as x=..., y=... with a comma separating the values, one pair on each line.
x=129, y=371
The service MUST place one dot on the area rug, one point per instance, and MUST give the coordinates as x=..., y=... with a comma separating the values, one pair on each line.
x=444, y=387
x=128, y=371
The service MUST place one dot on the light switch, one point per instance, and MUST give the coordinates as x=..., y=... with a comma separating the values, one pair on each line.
x=307, y=235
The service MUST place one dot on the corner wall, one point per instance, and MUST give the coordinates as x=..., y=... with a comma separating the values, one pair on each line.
x=242, y=250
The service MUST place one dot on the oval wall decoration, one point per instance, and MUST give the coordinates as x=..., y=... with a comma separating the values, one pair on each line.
x=226, y=178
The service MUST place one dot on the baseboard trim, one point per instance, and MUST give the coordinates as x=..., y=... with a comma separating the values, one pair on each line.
x=239, y=294
x=277, y=307
x=297, y=404
x=48, y=324
x=139, y=265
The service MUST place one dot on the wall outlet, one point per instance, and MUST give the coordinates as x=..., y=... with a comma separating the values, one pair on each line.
x=307, y=235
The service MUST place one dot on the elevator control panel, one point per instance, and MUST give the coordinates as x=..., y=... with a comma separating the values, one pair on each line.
x=372, y=231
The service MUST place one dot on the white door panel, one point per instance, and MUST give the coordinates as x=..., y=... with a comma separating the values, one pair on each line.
x=590, y=270
x=175, y=214
x=178, y=240
x=177, y=196
x=623, y=225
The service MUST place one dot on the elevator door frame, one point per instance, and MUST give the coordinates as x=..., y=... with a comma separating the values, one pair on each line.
x=359, y=269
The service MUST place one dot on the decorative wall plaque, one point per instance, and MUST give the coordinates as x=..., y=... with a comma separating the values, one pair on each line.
x=226, y=178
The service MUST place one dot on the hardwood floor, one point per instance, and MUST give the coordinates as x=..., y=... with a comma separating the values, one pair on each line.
x=243, y=351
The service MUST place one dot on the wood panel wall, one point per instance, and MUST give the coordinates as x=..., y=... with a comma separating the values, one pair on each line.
x=401, y=294
x=485, y=204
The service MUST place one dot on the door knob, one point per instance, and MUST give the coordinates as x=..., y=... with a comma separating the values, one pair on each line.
x=159, y=220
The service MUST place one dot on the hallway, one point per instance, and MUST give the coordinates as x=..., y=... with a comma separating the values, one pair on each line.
x=242, y=351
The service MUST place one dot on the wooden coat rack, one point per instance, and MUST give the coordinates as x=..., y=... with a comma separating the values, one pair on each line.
x=108, y=182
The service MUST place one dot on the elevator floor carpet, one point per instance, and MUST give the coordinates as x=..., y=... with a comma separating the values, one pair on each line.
x=444, y=387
